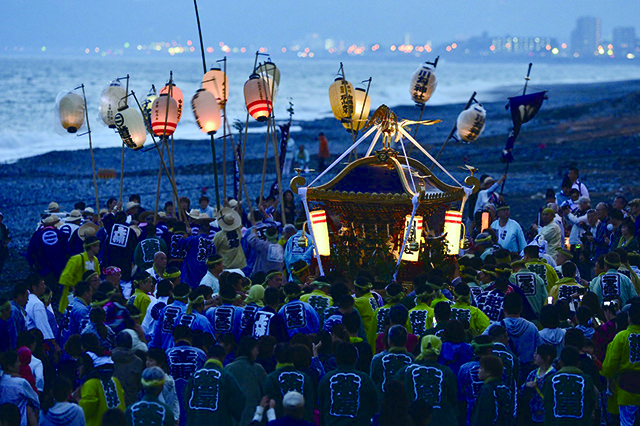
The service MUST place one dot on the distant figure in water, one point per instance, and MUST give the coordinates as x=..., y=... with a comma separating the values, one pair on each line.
x=302, y=159
x=323, y=152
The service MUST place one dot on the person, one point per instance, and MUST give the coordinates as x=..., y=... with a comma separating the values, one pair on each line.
x=36, y=311
x=294, y=409
x=495, y=400
x=159, y=266
x=96, y=326
x=394, y=407
x=455, y=351
x=228, y=240
x=120, y=244
x=5, y=238
x=574, y=178
x=215, y=266
x=164, y=289
x=463, y=311
x=569, y=396
x=267, y=321
x=193, y=317
x=549, y=230
x=352, y=325
x=509, y=232
x=269, y=254
x=197, y=249
x=612, y=284
x=162, y=336
x=539, y=266
x=531, y=285
x=347, y=396
x=607, y=331
x=302, y=158
x=469, y=384
x=323, y=152
x=144, y=286
x=205, y=207
x=627, y=240
x=77, y=266
x=365, y=303
x=20, y=296
x=543, y=359
x=48, y=251
x=226, y=318
x=62, y=413
x=212, y=394
x=386, y=364
x=16, y=390
x=431, y=382
x=441, y=316
x=127, y=367
x=156, y=357
x=620, y=364
x=100, y=391
x=319, y=298
x=76, y=315
x=299, y=317
x=380, y=320
x=398, y=315
x=421, y=315
x=487, y=194
x=150, y=410
x=145, y=253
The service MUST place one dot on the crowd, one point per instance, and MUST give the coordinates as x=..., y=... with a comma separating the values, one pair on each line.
x=218, y=316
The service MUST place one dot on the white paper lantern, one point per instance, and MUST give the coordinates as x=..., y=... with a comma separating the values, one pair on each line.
x=271, y=75
x=471, y=122
x=215, y=82
x=176, y=94
x=147, y=105
x=423, y=84
x=70, y=107
x=360, y=112
x=163, y=123
x=110, y=100
x=320, y=231
x=412, y=247
x=131, y=128
x=207, y=111
x=341, y=96
x=452, y=228
x=256, y=98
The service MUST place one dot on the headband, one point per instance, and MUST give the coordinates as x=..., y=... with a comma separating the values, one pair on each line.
x=520, y=262
x=292, y=297
x=112, y=270
x=93, y=243
x=172, y=276
x=503, y=270
x=298, y=271
x=488, y=272
x=367, y=286
x=152, y=383
x=395, y=299
x=320, y=284
x=612, y=264
x=192, y=303
x=99, y=303
x=214, y=262
x=504, y=207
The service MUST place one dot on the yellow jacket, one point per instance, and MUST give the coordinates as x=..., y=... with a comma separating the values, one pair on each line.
x=544, y=271
x=365, y=305
x=98, y=397
x=72, y=275
x=140, y=300
x=623, y=354
x=418, y=321
x=478, y=321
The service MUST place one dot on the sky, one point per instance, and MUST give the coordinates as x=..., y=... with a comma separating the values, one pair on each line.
x=80, y=24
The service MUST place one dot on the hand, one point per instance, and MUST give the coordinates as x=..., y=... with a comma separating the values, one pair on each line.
x=272, y=404
x=531, y=384
x=502, y=178
x=264, y=402
x=316, y=347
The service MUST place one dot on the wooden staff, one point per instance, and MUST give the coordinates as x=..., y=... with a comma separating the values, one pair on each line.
x=93, y=160
x=122, y=160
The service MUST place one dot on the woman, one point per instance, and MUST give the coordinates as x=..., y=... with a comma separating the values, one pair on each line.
x=156, y=357
x=289, y=206
x=96, y=326
x=100, y=391
x=627, y=241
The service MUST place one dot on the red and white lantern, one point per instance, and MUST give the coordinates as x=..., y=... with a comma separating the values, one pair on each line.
x=176, y=94
x=256, y=98
x=164, y=123
x=452, y=228
x=207, y=111
x=320, y=231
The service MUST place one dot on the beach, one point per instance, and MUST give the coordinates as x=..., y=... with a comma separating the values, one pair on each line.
x=595, y=126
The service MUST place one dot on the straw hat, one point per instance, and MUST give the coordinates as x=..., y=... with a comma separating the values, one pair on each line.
x=74, y=216
x=51, y=220
x=88, y=211
x=194, y=214
x=53, y=206
x=130, y=205
x=136, y=229
x=229, y=219
x=87, y=230
x=487, y=182
x=232, y=203
x=144, y=216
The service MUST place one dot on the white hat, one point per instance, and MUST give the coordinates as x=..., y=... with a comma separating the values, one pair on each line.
x=88, y=210
x=293, y=400
x=51, y=220
x=194, y=214
x=87, y=230
x=232, y=203
x=53, y=206
x=74, y=216
x=130, y=205
x=229, y=219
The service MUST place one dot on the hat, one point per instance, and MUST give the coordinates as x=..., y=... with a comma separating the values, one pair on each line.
x=503, y=206
x=320, y=284
x=256, y=294
x=51, y=220
x=88, y=210
x=104, y=210
x=483, y=238
x=584, y=199
x=112, y=270
x=229, y=219
x=548, y=210
x=194, y=214
x=53, y=206
x=74, y=216
x=144, y=216
x=232, y=203
x=88, y=229
x=130, y=205
x=487, y=182
x=635, y=202
x=293, y=400
x=429, y=346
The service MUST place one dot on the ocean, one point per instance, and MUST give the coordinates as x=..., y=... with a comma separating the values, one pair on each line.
x=29, y=125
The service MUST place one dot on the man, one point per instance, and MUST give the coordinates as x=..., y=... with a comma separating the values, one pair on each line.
x=226, y=318
x=76, y=267
x=120, y=244
x=36, y=311
x=193, y=317
x=249, y=374
x=613, y=284
x=229, y=239
x=387, y=363
x=159, y=266
x=164, y=289
x=365, y=303
x=71, y=223
x=531, y=285
x=48, y=251
x=215, y=266
x=18, y=313
x=127, y=367
x=634, y=209
x=539, y=266
x=567, y=287
x=509, y=232
x=299, y=317
x=146, y=250
x=549, y=230
x=150, y=410
x=578, y=219
x=267, y=321
x=76, y=315
x=302, y=158
x=562, y=257
x=463, y=311
x=197, y=248
x=487, y=194
x=274, y=279
x=469, y=384
x=269, y=254
x=347, y=397
x=17, y=391
x=293, y=406
x=494, y=405
x=421, y=316
x=574, y=178
x=510, y=362
x=162, y=336
x=294, y=252
x=319, y=298
x=212, y=394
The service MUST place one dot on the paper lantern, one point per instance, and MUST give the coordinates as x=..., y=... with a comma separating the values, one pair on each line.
x=147, y=105
x=110, y=99
x=161, y=119
x=412, y=247
x=131, y=127
x=341, y=96
x=485, y=221
x=360, y=112
x=423, y=84
x=215, y=82
x=71, y=111
x=207, y=111
x=176, y=94
x=271, y=75
x=452, y=228
x=470, y=123
x=256, y=98
x=320, y=231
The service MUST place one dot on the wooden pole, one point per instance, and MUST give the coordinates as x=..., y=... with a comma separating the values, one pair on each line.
x=224, y=129
x=122, y=159
x=93, y=160
x=161, y=154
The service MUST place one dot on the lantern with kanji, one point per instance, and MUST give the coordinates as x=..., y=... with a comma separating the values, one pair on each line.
x=110, y=99
x=147, y=104
x=215, y=82
x=423, y=83
x=256, y=98
x=470, y=123
x=164, y=115
x=207, y=111
x=452, y=228
x=176, y=94
x=320, y=229
x=360, y=111
x=131, y=127
x=412, y=247
x=70, y=108
x=341, y=96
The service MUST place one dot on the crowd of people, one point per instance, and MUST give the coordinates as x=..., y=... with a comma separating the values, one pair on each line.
x=218, y=316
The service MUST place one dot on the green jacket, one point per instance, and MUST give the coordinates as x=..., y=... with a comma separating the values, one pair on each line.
x=544, y=271
x=212, y=396
x=251, y=378
x=347, y=397
x=435, y=384
x=149, y=411
x=569, y=398
x=386, y=364
x=623, y=354
x=532, y=286
x=286, y=379
x=494, y=406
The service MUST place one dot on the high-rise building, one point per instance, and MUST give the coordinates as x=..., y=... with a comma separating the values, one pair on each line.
x=585, y=38
x=624, y=40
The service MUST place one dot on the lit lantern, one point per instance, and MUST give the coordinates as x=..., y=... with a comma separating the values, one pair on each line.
x=215, y=82
x=412, y=247
x=147, y=104
x=70, y=111
x=361, y=111
x=160, y=119
x=176, y=94
x=256, y=98
x=271, y=74
x=320, y=231
x=341, y=96
x=110, y=99
x=470, y=123
x=423, y=84
x=131, y=127
x=452, y=228
x=485, y=221
x=207, y=111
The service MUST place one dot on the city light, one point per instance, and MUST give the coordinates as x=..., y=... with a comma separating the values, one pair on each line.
x=630, y=56
x=555, y=51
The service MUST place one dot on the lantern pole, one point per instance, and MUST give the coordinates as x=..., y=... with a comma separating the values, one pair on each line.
x=355, y=133
x=126, y=91
x=453, y=129
x=93, y=160
x=224, y=130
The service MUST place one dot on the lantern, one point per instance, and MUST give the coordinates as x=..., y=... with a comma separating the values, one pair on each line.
x=452, y=228
x=341, y=96
x=485, y=221
x=176, y=94
x=320, y=231
x=423, y=84
x=71, y=111
x=160, y=119
x=470, y=123
x=207, y=111
x=215, y=82
x=412, y=247
x=361, y=111
x=271, y=75
x=131, y=127
x=109, y=102
x=256, y=98
x=147, y=104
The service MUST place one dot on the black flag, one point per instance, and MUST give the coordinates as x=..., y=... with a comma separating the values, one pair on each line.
x=284, y=138
x=523, y=109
